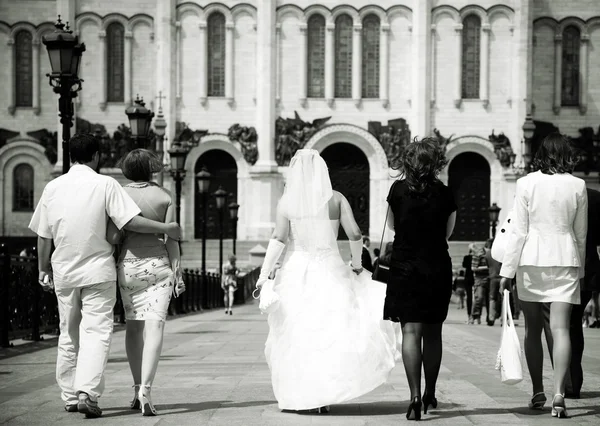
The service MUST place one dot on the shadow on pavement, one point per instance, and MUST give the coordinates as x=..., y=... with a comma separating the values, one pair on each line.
x=167, y=409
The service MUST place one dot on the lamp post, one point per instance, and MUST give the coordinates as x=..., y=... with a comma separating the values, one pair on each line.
x=178, y=153
x=140, y=119
x=64, y=51
x=528, y=131
x=220, y=196
x=494, y=212
x=203, y=178
x=233, y=215
x=160, y=124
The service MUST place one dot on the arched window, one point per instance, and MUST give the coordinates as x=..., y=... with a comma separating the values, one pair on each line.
x=371, y=28
x=570, y=66
x=471, y=54
x=23, y=188
x=343, y=56
x=216, y=54
x=115, y=62
x=316, y=56
x=23, y=69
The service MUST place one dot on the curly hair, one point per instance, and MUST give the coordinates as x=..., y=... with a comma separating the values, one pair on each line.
x=555, y=155
x=420, y=164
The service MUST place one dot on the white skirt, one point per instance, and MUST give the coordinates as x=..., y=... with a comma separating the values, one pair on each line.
x=548, y=284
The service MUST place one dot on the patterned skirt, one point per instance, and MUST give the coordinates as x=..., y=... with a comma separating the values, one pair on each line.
x=146, y=286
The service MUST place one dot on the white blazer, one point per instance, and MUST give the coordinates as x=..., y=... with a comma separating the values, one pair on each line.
x=550, y=223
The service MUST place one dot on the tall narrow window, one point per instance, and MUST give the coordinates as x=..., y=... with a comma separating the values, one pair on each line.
x=471, y=56
x=316, y=56
x=115, y=63
x=570, y=66
x=216, y=54
x=23, y=188
x=343, y=56
x=23, y=69
x=370, y=56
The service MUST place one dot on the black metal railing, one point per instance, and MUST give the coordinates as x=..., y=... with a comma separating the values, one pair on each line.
x=28, y=312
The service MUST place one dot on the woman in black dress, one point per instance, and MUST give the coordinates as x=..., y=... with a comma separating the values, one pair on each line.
x=422, y=214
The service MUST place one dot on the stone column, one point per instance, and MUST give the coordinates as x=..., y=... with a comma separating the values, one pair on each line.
x=557, y=73
x=266, y=86
x=484, y=82
x=178, y=60
x=10, y=66
x=35, y=81
x=521, y=72
x=203, y=63
x=265, y=181
x=302, y=69
x=384, y=65
x=279, y=62
x=357, y=64
x=432, y=71
x=166, y=78
x=458, y=64
x=102, y=66
x=584, y=71
x=229, y=28
x=128, y=77
x=330, y=63
x=421, y=69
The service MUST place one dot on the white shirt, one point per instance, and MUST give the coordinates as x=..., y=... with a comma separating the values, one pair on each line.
x=550, y=223
x=73, y=211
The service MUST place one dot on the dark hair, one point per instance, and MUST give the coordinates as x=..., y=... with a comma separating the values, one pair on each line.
x=82, y=147
x=376, y=252
x=420, y=163
x=556, y=154
x=140, y=164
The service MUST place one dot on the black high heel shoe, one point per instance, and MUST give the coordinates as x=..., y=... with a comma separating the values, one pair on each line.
x=415, y=409
x=429, y=400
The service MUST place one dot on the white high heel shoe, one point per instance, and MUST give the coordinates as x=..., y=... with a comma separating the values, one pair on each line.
x=148, y=409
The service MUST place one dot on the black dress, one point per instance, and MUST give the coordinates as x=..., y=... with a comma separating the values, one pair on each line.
x=420, y=283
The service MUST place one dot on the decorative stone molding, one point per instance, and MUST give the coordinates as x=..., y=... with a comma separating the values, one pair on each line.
x=384, y=64
x=558, y=39
x=203, y=61
x=358, y=136
x=303, y=68
x=584, y=72
x=479, y=145
x=292, y=134
x=458, y=65
x=247, y=137
x=329, y=63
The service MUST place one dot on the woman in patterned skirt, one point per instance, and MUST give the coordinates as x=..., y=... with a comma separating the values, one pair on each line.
x=148, y=270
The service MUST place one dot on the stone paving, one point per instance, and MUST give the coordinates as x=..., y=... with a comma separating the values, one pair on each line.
x=213, y=372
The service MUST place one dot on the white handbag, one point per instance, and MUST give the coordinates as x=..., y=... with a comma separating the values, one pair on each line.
x=269, y=300
x=501, y=239
x=510, y=358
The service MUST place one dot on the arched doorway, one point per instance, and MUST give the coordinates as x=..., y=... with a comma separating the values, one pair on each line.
x=469, y=180
x=349, y=173
x=223, y=171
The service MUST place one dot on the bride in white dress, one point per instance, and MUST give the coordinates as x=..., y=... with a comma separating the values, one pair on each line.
x=327, y=340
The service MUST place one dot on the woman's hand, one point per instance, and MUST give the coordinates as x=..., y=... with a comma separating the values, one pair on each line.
x=505, y=284
x=357, y=271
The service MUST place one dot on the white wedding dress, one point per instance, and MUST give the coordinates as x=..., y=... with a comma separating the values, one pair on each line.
x=327, y=341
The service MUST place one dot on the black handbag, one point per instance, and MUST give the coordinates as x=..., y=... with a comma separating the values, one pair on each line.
x=381, y=272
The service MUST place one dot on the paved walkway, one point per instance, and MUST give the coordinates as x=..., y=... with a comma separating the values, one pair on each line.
x=213, y=372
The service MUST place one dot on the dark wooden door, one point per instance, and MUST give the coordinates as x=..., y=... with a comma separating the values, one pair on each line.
x=223, y=170
x=469, y=179
x=349, y=173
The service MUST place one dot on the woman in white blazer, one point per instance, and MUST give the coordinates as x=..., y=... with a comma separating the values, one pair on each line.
x=546, y=251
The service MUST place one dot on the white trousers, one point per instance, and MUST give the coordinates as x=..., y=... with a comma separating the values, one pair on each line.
x=86, y=326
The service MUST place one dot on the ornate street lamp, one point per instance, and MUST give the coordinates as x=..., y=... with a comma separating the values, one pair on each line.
x=64, y=51
x=233, y=215
x=160, y=125
x=494, y=212
x=220, y=197
x=203, y=178
x=178, y=154
x=140, y=119
x=528, y=131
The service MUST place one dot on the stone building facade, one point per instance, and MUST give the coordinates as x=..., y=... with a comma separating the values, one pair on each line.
x=253, y=81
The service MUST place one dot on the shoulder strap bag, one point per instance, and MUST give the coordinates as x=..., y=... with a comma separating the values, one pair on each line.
x=381, y=272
